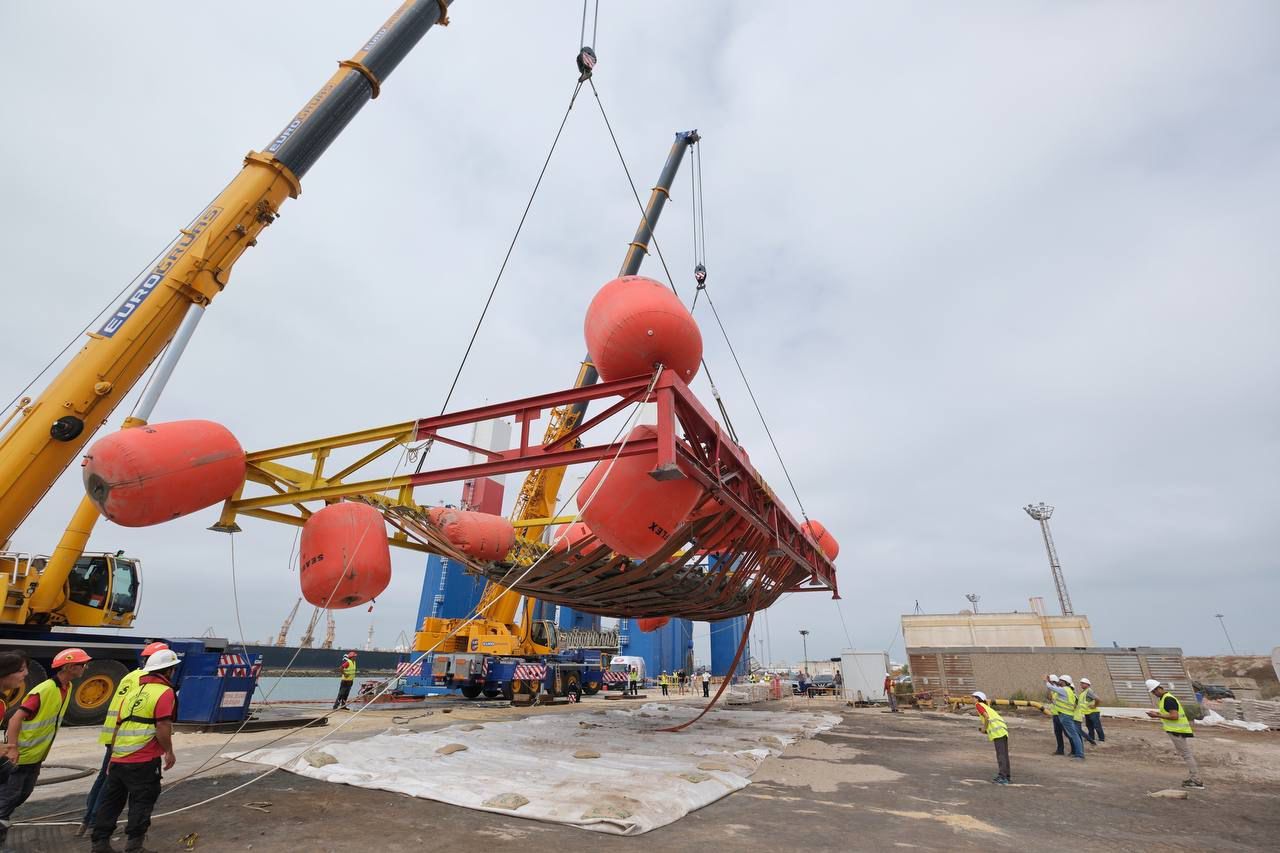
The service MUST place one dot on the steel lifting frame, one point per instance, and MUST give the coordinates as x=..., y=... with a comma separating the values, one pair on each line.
x=786, y=555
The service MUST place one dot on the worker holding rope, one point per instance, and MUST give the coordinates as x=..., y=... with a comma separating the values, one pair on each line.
x=32, y=730
x=997, y=731
x=347, y=673
x=127, y=685
x=141, y=745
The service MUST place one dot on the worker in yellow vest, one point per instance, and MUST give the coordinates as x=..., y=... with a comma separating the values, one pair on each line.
x=664, y=683
x=997, y=731
x=32, y=729
x=108, y=732
x=141, y=747
x=1177, y=725
x=1087, y=716
x=347, y=672
x=1064, y=710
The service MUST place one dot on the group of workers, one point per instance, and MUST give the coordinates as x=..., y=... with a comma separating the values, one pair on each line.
x=680, y=680
x=1072, y=709
x=137, y=737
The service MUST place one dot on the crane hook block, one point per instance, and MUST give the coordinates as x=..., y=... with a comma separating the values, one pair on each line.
x=586, y=62
x=700, y=276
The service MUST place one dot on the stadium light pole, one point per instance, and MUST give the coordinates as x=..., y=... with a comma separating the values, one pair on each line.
x=804, y=638
x=1218, y=616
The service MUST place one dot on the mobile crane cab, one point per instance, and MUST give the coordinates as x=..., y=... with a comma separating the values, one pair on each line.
x=102, y=590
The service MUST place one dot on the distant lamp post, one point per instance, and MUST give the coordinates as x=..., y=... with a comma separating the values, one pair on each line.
x=1218, y=616
x=804, y=638
x=973, y=599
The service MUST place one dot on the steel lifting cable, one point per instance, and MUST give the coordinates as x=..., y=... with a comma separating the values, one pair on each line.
x=715, y=392
x=623, y=434
x=505, y=259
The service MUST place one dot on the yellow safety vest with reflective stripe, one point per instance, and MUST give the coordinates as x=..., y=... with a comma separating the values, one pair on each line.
x=38, y=732
x=1065, y=707
x=137, y=725
x=348, y=669
x=1084, y=705
x=1180, y=726
x=996, y=726
x=127, y=684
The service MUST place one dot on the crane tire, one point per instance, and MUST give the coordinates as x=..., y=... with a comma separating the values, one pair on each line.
x=91, y=693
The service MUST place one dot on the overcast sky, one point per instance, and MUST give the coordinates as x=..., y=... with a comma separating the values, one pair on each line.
x=970, y=259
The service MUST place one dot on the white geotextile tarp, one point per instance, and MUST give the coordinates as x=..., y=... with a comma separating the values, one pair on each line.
x=643, y=778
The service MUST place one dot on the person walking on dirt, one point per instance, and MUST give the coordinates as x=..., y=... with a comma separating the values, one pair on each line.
x=1087, y=712
x=997, y=731
x=633, y=680
x=888, y=692
x=1177, y=725
x=662, y=683
x=347, y=672
x=32, y=729
x=706, y=684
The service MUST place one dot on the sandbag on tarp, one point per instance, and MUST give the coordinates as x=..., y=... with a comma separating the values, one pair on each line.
x=605, y=770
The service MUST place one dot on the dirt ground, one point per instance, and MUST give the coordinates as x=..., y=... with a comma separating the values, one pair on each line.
x=878, y=781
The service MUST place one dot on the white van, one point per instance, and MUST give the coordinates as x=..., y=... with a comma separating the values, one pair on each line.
x=623, y=664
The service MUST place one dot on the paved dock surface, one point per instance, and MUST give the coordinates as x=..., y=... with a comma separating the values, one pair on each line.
x=878, y=781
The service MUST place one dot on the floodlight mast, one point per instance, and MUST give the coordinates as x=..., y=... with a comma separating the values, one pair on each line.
x=1041, y=512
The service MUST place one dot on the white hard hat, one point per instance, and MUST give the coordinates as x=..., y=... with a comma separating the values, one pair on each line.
x=1085, y=681
x=162, y=659
x=982, y=697
x=887, y=675
x=1053, y=677
x=1152, y=684
x=1065, y=678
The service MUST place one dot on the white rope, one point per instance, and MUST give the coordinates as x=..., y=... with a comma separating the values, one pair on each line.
x=635, y=413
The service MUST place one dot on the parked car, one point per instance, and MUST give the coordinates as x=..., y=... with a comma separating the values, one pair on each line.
x=824, y=682
x=1213, y=691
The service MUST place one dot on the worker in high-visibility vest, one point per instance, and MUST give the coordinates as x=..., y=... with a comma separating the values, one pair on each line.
x=1088, y=720
x=633, y=678
x=32, y=729
x=13, y=675
x=1064, y=708
x=347, y=674
x=664, y=683
x=141, y=747
x=997, y=731
x=1177, y=725
x=108, y=731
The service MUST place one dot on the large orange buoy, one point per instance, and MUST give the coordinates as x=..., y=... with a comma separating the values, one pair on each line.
x=476, y=534
x=635, y=323
x=148, y=474
x=651, y=624
x=630, y=511
x=821, y=535
x=345, y=557
x=567, y=537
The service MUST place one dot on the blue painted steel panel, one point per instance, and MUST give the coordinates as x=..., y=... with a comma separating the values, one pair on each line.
x=570, y=619
x=447, y=591
x=725, y=636
x=668, y=649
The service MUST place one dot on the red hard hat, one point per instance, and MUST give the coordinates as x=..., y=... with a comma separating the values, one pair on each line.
x=152, y=648
x=67, y=656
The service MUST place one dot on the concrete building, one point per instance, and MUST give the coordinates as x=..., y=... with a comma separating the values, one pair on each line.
x=966, y=628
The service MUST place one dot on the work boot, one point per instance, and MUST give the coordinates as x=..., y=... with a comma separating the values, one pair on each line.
x=134, y=845
x=1192, y=783
x=103, y=846
x=1058, y=752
